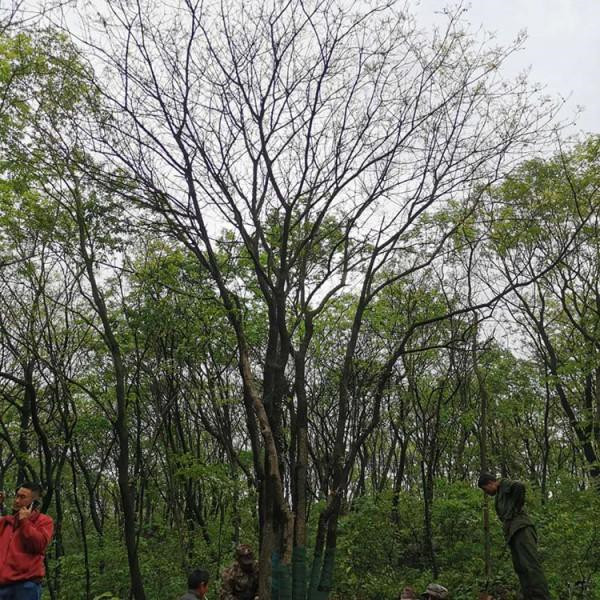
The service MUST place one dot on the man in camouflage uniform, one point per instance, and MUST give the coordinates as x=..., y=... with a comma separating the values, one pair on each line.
x=240, y=580
x=519, y=534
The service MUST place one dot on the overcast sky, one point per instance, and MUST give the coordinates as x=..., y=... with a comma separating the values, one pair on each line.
x=562, y=49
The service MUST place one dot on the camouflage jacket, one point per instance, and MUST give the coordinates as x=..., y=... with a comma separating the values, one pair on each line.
x=239, y=584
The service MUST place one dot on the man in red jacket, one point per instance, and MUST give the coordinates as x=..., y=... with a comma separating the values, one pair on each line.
x=24, y=537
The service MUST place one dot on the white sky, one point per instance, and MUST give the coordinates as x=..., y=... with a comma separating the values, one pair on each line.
x=562, y=49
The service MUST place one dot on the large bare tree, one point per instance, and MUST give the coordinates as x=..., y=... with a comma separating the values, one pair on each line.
x=319, y=147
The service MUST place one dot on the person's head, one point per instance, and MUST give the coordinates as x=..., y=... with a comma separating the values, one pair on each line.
x=488, y=483
x=408, y=593
x=26, y=494
x=435, y=591
x=245, y=557
x=198, y=581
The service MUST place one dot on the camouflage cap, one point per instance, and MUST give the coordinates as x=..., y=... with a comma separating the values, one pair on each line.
x=243, y=553
x=434, y=590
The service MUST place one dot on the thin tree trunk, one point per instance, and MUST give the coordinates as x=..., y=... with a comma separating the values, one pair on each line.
x=398, y=481
x=317, y=562
x=546, y=449
x=83, y=528
x=427, y=478
x=299, y=566
x=483, y=458
x=126, y=490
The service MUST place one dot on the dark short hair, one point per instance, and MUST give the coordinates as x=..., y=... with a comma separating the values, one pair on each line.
x=36, y=488
x=485, y=478
x=195, y=578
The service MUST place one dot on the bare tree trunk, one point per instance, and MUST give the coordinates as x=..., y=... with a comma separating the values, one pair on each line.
x=299, y=572
x=399, y=476
x=483, y=456
x=126, y=489
x=546, y=434
x=83, y=529
x=317, y=563
x=427, y=482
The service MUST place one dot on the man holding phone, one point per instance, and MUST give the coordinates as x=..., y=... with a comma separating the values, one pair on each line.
x=24, y=537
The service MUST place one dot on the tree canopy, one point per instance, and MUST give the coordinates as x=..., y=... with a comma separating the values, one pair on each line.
x=292, y=274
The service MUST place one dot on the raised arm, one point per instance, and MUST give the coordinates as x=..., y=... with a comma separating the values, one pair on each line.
x=36, y=534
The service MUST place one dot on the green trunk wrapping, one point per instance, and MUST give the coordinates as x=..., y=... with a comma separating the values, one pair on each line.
x=281, y=581
x=285, y=582
x=275, y=576
x=315, y=571
x=322, y=592
x=299, y=573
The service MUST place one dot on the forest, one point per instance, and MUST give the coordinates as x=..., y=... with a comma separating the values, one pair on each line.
x=292, y=274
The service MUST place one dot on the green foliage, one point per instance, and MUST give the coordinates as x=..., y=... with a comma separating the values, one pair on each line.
x=570, y=540
x=372, y=554
x=546, y=195
x=191, y=460
x=379, y=556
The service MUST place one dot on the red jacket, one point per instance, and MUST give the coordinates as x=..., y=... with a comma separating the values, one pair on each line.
x=22, y=547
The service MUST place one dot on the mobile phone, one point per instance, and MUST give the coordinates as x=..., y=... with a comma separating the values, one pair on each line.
x=34, y=505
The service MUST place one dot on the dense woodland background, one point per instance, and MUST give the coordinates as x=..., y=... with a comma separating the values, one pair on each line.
x=291, y=274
